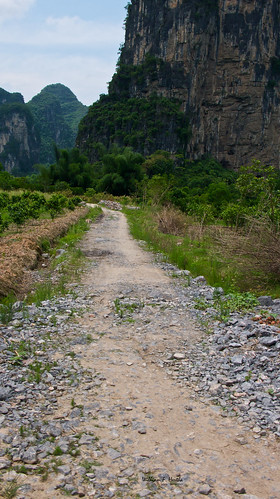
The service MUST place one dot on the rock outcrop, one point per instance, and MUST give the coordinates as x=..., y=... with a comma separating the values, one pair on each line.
x=221, y=60
x=29, y=131
x=19, y=139
x=225, y=57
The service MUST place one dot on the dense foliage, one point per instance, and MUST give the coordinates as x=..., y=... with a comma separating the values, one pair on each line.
x=16, y=209
x=57, y=113
x=115, y=121
x=145, y=123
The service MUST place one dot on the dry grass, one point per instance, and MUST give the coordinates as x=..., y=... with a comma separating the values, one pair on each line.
x=19, y=252
x=255, y=249
x=171, y=221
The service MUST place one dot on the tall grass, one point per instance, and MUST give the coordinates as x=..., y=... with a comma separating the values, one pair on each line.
x=202, y=251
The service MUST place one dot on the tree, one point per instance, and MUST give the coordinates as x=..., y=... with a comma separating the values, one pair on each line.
x=122, y=170
x=159, y=163
x=259, y=185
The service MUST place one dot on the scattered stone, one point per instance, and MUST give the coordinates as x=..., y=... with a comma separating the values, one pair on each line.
x=179, y=356
x=265, y=301
x=30, y=456
x=236, y=367
x=205, y=490
x=113, y=454
x=4, y=463
x=240, y=491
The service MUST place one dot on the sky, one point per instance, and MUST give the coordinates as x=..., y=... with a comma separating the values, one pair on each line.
x=73, y=42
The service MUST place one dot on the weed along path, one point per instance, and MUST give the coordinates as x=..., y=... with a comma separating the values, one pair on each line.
x=114, y=416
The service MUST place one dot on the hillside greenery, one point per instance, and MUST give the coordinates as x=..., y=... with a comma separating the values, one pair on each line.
x=146, y=123
x=57, y=113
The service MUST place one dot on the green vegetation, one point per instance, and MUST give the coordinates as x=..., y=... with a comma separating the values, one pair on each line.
x=227, y=225
x=57, y=113
x=114, y=120
x=51, y=117
x=11, y=489
x=143, y=123
x=18, y=208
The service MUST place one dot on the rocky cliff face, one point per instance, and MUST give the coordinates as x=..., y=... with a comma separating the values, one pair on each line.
x=222, y=61
x=19, y=140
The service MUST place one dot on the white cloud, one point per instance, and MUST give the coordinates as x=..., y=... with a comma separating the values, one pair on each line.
x=76, y=31
x=14, y=8
x=65, y=31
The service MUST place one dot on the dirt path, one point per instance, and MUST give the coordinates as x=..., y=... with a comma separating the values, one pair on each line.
x=147, y=418
x=153, y=437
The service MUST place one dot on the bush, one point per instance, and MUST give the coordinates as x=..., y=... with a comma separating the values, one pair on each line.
x=234, y=215
x=18, y=212
x=56, y=203
x=171, y=221
x=4, y=200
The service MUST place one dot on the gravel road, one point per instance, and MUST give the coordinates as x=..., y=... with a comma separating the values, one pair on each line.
x=124, y=394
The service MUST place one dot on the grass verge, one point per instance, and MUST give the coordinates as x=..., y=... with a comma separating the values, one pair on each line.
x=67, y=267
x=198, y=250
x=69, y=263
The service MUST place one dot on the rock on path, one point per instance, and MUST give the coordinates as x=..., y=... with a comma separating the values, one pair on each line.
x=109, y=392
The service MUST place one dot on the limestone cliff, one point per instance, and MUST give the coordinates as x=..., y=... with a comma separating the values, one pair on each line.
x=221, y=60
x=19, y=140
x=224, y=61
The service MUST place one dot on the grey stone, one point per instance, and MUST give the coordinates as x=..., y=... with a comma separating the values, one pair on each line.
x=64, y=469
x=268, y=341
x=204, y=490
x=4, y=463
x=113, y=454
x=30, y=456
x=5, y=393
x=200, y=280
x=265, y=301
x=179, y=356
x=144, y=493
x=237, y=360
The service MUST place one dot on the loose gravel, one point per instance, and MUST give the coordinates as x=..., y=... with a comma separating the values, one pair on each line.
x=124, y=388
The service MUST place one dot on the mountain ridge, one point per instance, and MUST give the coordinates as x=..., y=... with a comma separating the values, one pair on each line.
x=28, y=131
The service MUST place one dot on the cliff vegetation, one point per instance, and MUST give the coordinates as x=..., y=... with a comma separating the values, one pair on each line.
x=28, y=132
x=57, y=113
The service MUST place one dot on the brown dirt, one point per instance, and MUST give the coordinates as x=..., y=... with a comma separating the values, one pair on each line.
x=20, y=250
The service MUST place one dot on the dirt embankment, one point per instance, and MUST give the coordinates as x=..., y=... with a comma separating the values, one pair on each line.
x=19, y=251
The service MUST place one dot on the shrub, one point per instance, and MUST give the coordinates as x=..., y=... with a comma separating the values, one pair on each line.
x=234, y=215
x=171, y=221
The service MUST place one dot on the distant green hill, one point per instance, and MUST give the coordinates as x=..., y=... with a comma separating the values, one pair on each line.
x=10, y=98
x=29, y=131
x=57, y=114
